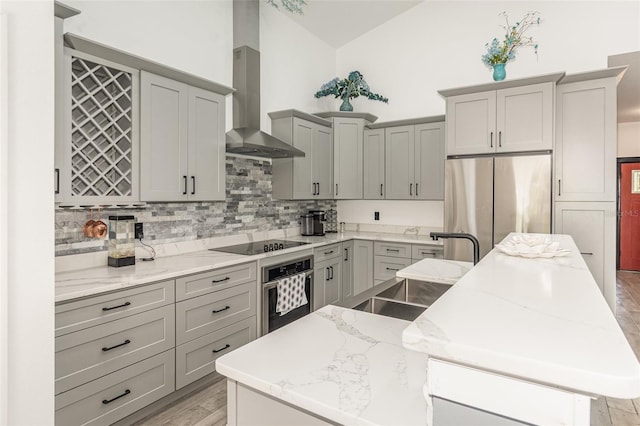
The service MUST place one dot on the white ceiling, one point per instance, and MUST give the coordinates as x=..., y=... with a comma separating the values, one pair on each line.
x=629, y=86
x=337, y=22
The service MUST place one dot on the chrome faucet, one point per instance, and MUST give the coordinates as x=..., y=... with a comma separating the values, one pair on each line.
x=476, y=245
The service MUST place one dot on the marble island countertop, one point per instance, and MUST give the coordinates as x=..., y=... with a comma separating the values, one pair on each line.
x=343, y=365
x=541, y=320
x=436, y=271
x=79, y=283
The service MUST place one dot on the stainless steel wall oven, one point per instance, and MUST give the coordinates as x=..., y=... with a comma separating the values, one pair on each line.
x=272, y=320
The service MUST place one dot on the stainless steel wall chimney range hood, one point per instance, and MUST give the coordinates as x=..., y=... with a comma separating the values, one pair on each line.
x=246, y=137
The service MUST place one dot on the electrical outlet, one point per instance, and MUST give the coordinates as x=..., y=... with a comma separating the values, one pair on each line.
x=376, y=215
x=139, y=232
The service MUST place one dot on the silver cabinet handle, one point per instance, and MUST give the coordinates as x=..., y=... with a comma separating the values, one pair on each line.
x=500, y=139
x=193, y=185
x=184, y=178
x=381, y=190
x=429, y=253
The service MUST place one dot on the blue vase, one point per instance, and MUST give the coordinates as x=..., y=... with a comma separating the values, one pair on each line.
x=346, y=105
x=499, y=73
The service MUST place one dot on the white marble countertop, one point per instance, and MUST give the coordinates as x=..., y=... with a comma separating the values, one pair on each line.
x=345, y=365
x=542, y=320
x=436, y=271
x=91, y=281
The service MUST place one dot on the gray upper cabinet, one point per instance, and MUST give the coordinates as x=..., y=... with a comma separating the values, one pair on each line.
x=513, y=116
x=585, y=155
x=97, y=145
x=414, y=162
x=182, y=141
x=373, y=164
x=311, y=176
x=348, y=138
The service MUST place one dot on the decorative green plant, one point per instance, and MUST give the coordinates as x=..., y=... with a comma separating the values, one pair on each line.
x=293, y=6
x=348, y=88
x=514, y=38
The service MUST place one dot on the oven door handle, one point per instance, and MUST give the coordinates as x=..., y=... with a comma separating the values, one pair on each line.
x=272, y=284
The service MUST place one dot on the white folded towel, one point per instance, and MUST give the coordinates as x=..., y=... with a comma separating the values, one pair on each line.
x=291, y=293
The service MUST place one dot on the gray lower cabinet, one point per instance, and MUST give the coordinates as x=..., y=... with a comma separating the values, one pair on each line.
x=327, y=275
x=362, y=266
x=112, y=397
x=347, y=269
x=215, y=314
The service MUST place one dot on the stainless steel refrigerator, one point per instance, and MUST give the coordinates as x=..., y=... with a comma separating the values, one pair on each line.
x=491, y=196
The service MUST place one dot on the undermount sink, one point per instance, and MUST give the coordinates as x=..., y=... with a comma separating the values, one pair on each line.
x=405, y=300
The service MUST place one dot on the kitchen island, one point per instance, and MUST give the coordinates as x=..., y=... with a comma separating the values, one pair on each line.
x=528, y=339
x=514, y=341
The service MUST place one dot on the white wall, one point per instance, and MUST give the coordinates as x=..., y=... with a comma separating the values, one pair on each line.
x=438, y=45
x=435, y=46
x=30, y=235
x=628, y=139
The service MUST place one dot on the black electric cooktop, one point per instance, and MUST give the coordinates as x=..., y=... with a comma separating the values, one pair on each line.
x=258, y=247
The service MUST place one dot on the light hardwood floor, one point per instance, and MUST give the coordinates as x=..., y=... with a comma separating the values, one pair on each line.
x=208, y=406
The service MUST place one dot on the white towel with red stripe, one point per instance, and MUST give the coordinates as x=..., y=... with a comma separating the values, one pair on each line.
x=291, y=294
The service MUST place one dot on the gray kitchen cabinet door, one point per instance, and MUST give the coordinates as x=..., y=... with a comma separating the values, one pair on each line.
x=525, y=118
x=206, y=181
x=182, y=141
x=347, y=158
x=347, y=269
x=585, y=152
x=164, y=138
x=322, y=162
x=429, y=161
x=373, y=164
x=303, y=139
x=399, y=162
x=362, y=266
x=471, y=123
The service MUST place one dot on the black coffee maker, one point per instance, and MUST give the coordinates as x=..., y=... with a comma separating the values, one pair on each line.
x=318, y=221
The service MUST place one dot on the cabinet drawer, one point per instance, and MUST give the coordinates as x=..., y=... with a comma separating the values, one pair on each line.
x=197, y=358
x=205, y=314
x=97, y=310
x=91, y=353
x=323, y=253
x=386, y=267
x=196, y=285
x=145, y=381
x=419, y=252
x=392, y=249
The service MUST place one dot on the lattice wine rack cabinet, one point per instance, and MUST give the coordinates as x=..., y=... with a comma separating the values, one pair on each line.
x=101, y=144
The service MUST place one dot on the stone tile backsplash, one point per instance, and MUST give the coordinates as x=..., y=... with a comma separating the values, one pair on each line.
x=248, y=207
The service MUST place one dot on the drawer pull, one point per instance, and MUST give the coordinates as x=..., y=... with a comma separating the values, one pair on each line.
x=430, y=253
x=227, y=346
x=108, y=401
x=222, y=280
x=394, y=250
x=126, y=342
x=215, y=311
x=116, y=307
x=391, y=269
x=328, y=252
x=586, y=253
